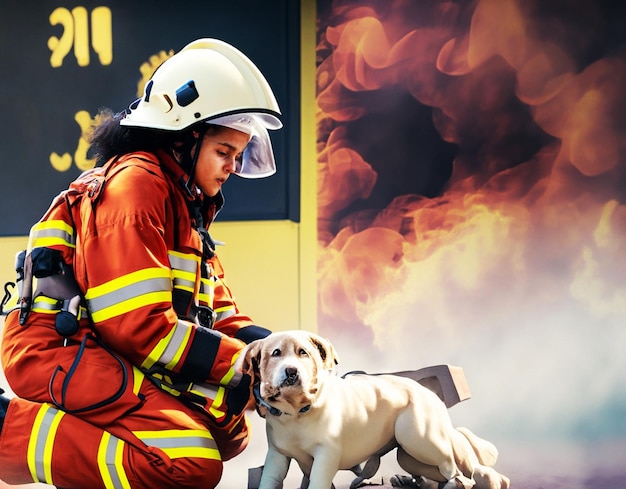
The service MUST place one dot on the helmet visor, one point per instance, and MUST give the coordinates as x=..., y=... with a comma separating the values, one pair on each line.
x=257, y=160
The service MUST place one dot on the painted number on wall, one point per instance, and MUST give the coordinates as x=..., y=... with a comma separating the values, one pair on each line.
x=75, y=35
x=75, y=25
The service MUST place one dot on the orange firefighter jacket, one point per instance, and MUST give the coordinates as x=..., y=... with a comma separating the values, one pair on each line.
x=155, y=294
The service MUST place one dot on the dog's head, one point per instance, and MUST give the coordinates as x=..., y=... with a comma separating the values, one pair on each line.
x=287, y=368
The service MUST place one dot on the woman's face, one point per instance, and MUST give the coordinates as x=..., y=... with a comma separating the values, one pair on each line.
x=221, y=149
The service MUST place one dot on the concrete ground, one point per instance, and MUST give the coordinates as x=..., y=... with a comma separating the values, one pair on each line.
x=529, y=465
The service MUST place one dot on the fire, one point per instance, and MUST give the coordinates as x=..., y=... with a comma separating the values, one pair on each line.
x=525, y=235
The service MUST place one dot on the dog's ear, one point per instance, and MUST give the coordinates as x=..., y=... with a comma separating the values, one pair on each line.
x=329, y=356
x=250, y=359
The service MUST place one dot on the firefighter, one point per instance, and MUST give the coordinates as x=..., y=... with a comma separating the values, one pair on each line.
x=122, y=348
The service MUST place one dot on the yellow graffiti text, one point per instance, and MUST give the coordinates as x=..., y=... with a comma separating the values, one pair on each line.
x=75, y=25
x=62, y=163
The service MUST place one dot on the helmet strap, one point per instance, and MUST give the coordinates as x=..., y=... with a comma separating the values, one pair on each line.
x=189, y=160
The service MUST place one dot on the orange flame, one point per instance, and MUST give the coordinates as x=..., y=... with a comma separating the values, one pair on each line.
x=531, y=221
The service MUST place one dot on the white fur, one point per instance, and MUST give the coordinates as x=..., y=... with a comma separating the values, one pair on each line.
x=328, y=423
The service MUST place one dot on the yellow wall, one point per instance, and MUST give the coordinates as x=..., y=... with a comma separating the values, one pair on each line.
x=307, y=243
x=8, y=248
x=270, y=265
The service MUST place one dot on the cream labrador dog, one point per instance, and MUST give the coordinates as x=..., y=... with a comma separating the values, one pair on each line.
x=328, y=423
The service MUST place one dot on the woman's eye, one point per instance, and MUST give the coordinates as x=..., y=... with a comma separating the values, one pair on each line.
x=276, y=353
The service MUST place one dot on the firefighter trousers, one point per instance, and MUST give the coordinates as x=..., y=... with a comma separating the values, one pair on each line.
x=109, y=427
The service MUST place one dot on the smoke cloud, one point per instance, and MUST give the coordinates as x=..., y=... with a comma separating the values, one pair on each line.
x=472, y=171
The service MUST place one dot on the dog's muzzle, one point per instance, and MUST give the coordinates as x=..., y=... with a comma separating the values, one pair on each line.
x=291, y=376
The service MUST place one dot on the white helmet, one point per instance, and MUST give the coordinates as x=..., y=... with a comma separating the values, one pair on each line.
x=209, y=79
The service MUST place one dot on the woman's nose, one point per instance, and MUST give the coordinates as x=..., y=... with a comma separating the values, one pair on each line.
x=231, y=165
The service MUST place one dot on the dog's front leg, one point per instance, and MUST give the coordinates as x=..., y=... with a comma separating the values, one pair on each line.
x=325, y=467
x=275, y=470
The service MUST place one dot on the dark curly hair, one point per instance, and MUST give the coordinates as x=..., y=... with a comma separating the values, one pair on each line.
x=108, y=139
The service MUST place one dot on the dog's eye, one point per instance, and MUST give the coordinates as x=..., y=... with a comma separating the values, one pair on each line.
x=303, y=353
x=276, y=353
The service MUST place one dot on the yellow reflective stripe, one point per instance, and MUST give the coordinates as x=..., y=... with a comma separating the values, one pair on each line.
x=46, y=305
x=195, y=452
x=138, y=377
x=206, y=294
x=129, y=292
x=205, y=390
x=170, y=361
x=217, y=402
x=184, y=270
x=182, y=443
x=184, y=261
x=217, y=414
x=51, y=233
x=158, y=350
x=111, y=462
x=219, y=399
x=170, y=348
x=232, y=377
x=228, y=377
x=184, y=280
x=39, y=453
x=222, y=313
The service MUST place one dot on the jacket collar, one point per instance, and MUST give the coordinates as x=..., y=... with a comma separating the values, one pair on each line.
x=212, y=204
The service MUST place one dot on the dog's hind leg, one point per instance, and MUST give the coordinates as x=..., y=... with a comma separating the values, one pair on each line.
x=486, y=451
x=417, y=468
x=423, y=435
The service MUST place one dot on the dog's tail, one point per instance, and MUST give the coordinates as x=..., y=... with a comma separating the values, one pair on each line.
x=486, y=451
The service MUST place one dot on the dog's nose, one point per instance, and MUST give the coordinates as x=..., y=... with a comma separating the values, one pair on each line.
x=291, y=375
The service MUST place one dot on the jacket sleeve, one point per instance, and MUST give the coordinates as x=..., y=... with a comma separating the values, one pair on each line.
x=228, y=319
x=123, y=265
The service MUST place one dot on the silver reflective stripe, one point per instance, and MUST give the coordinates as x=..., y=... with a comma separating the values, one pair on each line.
x=207, y=390
x=182, y=443
x=186, y=263
x=46, y=303
x=111, y=462
x=181, y=283
x=177, y=341
x=45, y=428
x=59, y=234
x=234, y=382
x=41, y=443
x=207, y=291
x=128, y=292
x=51, y=233
x=111, y=451
x=225, y=313
x=184, y=270
x=169, y=349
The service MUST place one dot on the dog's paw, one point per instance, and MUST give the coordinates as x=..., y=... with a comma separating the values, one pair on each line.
x=488, y=478
x=403, y=481
x=425, y=483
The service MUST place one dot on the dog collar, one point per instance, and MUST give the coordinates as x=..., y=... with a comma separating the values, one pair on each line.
x=263, y=403
x=271, y=409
